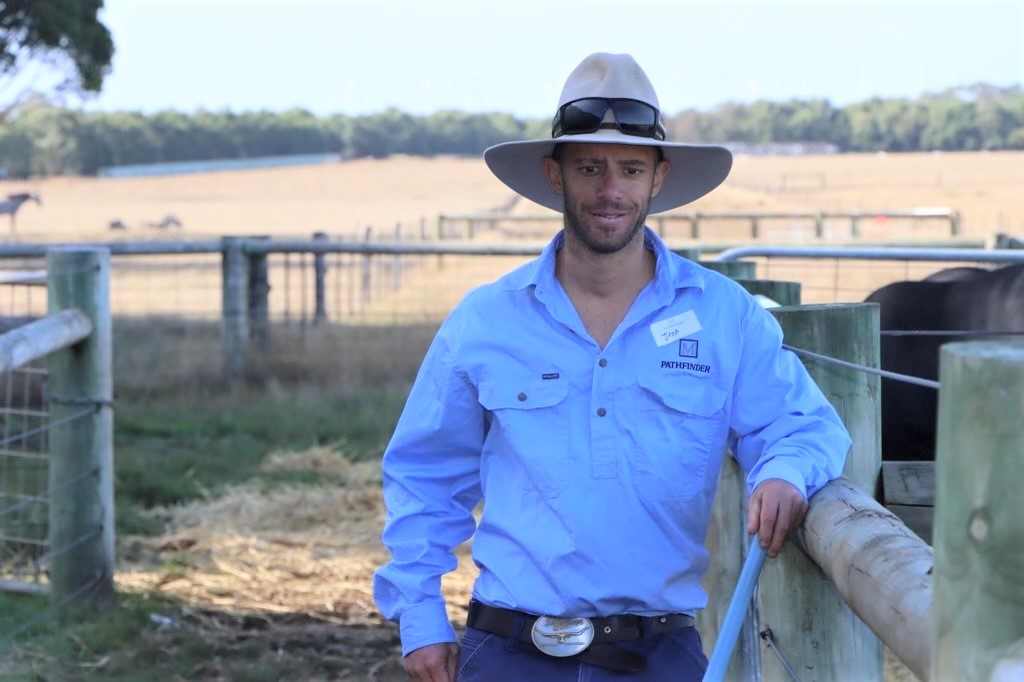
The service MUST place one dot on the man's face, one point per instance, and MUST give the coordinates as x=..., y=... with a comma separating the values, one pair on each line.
x=607, y=190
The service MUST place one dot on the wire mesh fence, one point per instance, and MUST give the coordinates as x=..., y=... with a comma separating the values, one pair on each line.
x=23, y=473
x=56, y=503
x=359, y=307
x=23, y=458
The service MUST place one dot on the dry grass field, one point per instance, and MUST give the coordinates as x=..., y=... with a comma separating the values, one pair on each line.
x=344, y=200
x=311, y=551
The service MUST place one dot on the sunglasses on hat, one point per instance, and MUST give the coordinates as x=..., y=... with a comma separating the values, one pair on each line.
x=632, y=117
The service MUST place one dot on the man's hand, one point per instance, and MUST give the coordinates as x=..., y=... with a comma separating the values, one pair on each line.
x=776, y=508
x=433, y=663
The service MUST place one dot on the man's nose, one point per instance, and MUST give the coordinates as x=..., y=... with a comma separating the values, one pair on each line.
x=610, y=186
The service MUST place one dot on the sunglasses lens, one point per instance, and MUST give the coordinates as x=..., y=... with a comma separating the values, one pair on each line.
x=587, y=116
x=583, y=116
x=635, y=118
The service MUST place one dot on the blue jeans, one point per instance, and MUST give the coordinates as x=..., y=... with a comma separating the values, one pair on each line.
x=674, y=656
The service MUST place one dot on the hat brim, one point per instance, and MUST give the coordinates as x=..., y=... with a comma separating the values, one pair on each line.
x=696, y=169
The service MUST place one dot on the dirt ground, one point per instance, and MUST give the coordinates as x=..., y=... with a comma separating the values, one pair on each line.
x=292, y=567
x=289, y=567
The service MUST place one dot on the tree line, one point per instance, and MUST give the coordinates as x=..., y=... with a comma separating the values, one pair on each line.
x=40, y=138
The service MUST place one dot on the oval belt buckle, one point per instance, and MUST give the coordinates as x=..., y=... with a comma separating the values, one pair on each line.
x=562, y=636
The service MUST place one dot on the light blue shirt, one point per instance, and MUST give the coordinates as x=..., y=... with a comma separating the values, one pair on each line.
x=598, y=466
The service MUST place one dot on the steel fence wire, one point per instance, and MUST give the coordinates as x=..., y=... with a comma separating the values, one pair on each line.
x=52, y=613
x=34, y=556
x=25, y=493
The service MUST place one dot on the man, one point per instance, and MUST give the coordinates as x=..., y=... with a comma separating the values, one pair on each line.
x=588, y=397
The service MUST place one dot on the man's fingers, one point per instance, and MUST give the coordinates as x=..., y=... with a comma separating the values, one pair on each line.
x=767, y=530
x=790, y=516
x=433, y=663
x=754, y=513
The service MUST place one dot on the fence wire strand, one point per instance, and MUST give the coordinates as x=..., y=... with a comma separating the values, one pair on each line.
x=49, y=493
x=948, y=332
x=46, y=614
x=769, y=637
x=927, y=383
x=81, y=540
x=47, y=427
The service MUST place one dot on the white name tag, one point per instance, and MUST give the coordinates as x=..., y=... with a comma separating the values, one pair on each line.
x=675, y=328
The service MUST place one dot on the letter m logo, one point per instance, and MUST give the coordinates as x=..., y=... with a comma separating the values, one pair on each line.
x=688, y=348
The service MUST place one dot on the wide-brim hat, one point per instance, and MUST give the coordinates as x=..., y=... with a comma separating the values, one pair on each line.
x=696, y=169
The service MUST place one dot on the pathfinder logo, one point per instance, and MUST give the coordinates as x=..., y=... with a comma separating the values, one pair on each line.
x=688, y=348
x=688, y=366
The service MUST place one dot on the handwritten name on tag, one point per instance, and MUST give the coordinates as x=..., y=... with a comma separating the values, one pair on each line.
x=675, y=328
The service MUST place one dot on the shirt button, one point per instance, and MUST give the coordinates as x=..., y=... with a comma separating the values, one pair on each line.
x=601, y=412
x=603, y=362
x=522, y=397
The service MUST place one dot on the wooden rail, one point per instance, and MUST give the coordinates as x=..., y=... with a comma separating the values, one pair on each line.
x=882, y=570
x=467, y=225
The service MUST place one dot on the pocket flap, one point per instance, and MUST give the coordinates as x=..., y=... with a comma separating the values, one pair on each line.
x=686, y=396
x=517, y=392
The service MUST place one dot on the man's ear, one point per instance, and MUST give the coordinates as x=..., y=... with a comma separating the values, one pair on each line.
x=659, y=176
x=553, y=172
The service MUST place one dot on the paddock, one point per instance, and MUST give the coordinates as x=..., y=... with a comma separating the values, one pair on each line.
x=863, y=550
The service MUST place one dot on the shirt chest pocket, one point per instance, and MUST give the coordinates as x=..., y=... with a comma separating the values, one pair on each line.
x=681, y=425
x=527, y=437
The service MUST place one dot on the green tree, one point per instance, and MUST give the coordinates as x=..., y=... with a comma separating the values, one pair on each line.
x=53, y=131
x=17, y=152
x=951, y=126
x=67, y=33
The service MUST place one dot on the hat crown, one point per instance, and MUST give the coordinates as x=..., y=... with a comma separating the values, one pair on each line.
x=609, y=75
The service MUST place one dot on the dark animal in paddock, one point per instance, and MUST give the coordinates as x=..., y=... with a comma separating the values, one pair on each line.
x=168, y=221
x=13, y=202
x=964, y=299
x=954, y=274
x=117, y=225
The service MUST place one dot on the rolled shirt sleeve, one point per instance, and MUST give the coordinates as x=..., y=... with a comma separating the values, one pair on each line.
x=431, y=485
x=782, y=425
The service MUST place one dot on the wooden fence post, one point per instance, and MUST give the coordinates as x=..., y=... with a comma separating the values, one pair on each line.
x=783, y=293
x=235, y=313
x=978, y=602
x=319, y=277
x=812, y=626
x=396, y=261
x=367, y=272
x=81, y=478
x=259, y=300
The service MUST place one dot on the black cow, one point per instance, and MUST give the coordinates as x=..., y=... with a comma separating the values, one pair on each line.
x=962, y=299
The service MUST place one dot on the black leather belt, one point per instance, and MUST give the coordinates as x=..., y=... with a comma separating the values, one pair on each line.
x=606, y=631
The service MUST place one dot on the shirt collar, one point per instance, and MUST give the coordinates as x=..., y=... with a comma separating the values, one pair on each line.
x=672, y=271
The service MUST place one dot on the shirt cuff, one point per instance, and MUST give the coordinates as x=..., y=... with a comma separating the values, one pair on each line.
x=781, y=470
x=423, y=625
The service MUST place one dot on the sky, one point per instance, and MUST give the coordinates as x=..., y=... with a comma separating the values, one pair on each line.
x=363, y=56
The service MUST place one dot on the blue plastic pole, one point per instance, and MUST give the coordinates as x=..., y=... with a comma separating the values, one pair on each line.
x=737, y=611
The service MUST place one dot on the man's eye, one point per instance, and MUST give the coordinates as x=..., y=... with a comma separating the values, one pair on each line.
x=588, y=170
x=633, y=172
